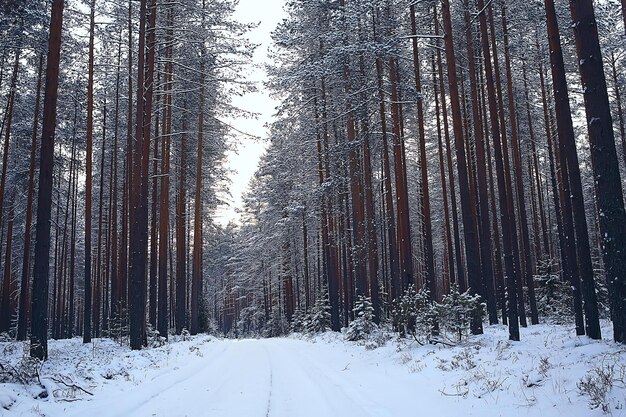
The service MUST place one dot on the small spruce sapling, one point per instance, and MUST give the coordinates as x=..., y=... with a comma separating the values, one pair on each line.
x=457, y=310
x=319, y=319
x=298, y=321
x=414, y=313
x=363, y=325
x=277, y=325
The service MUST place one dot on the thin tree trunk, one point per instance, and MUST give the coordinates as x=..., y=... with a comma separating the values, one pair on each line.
x=469, y=218
x=481, y=174
x=503, y=184
x=88, y=183
x=196, y=279
x=444, y=190
x=24, y=311
x=7, y=313
x=181, y=235
x=618, y=102
x=429, y=253
x=164, y=212
x=460, y=278
x=526, y=262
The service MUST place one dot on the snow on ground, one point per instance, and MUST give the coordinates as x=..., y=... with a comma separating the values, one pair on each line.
x=325, y=376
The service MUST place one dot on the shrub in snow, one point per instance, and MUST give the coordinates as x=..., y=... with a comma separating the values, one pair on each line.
x=363, y=325
x=457, y=310
x=597, y=385
x=298, y=321
x=554, y=296
x=205, y=324
x=277, y=325
x=119, y=329
x=319, y=318
x=185, y=335
x=25, y=371
x=414, y=313
x=250, y=319
x=155, y=339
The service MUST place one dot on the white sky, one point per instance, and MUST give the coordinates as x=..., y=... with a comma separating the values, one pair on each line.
x=245, y=161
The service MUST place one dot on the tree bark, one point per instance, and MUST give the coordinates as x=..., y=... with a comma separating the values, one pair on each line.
x=87, y=330
x=39, y=324
x=567, y=142
x=503, y=184
x=469, y=220
x=24, y=311
x=606, y=174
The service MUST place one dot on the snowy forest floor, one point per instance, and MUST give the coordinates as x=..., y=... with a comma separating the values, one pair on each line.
x=550, y=373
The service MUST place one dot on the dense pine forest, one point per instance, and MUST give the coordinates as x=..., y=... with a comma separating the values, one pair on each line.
x=435, y=166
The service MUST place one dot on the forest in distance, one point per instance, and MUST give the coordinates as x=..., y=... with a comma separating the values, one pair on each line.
x=433, y=166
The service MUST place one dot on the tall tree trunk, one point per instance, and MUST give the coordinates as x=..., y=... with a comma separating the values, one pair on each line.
x=137, y=271
x=115, y=290
x=87, y=330
x=618, y=102
x=403, y=231
x=142, y=220
x=444, y=190
x=164, y=203
x=181, y=234
x=469, y=218
x=7, y=138
x=98, y=288
x=429, y=253
x=517, y=262
x=39, y=324
x=153, y=281
x=459, y=279
x=394, y=262
x=122, y=302
x=537, y=176
x=526, y=262
x=605, y=165
x=481, y=177
x=503, y=184
x=567, y=142
x=24, y=311
x=196, y=279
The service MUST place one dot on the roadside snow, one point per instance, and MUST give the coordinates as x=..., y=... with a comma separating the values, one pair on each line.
x=487, y=376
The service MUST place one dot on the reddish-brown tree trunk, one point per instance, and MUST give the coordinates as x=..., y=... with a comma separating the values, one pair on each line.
x=196, y=279
x=449, y=258
x=137, y=240
x=526, y=262
x=87, y=320
x=481, y=178
x=504, y=182
x=39, y=323
x=567, y=142
x=24, y=311
x=7, y=312
x=606, y=174
x=427, y=239
x=459, y=278
x=469, y=219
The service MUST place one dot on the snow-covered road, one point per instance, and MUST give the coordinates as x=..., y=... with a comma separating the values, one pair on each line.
x=264, y=378
x=324, y=376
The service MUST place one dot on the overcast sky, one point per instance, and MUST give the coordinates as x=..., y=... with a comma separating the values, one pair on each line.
x=245, y=162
